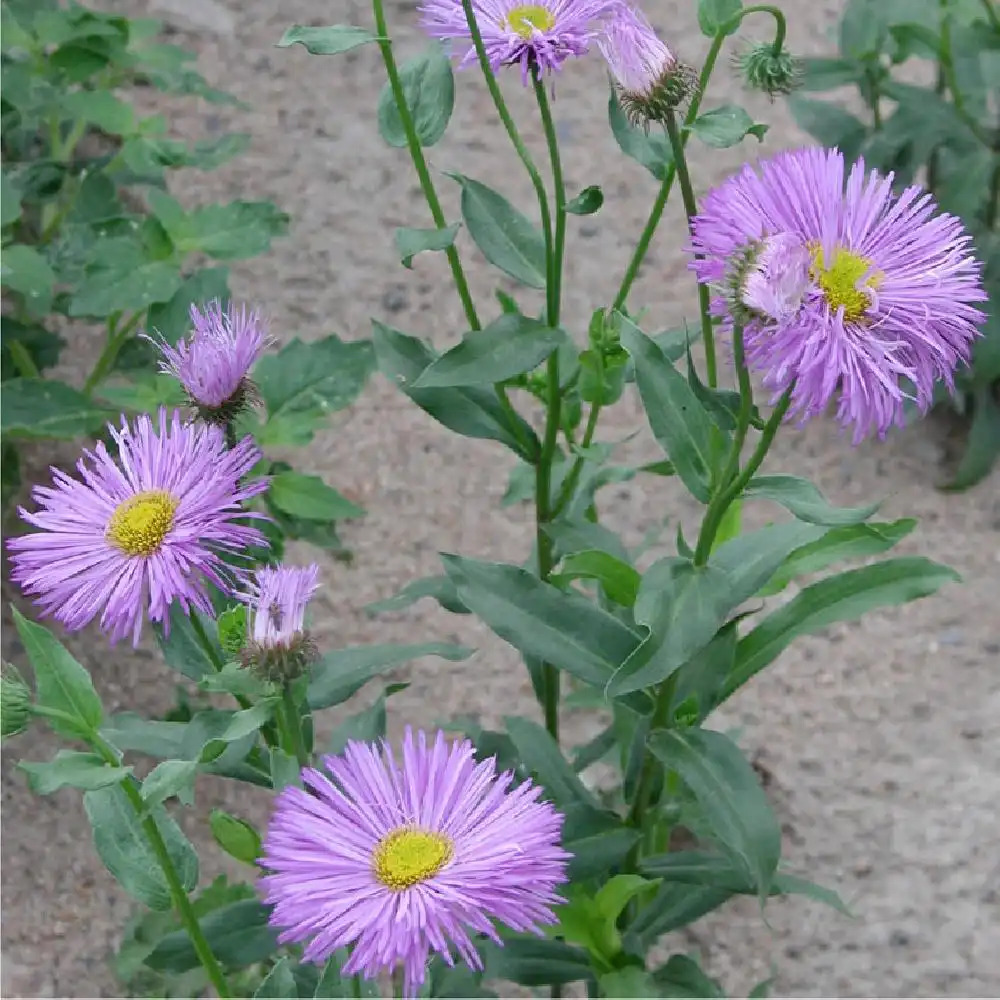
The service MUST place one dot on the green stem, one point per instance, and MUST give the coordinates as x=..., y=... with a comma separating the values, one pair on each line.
x=178, y=894
x=670, y=171
x=691, y=210
x=230, y=435
x=648, y=770
x=116, y=340
x=508, y=123
x=656, y=212
x=554, y=284
x=420, y=162
x=720, y=503
x=206, y=644
x=569, y=486
x=296, y=745
x=543, y=516
x=991, y=13
x=947, y=64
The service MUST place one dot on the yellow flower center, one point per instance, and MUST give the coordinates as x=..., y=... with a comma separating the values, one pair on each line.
x=139, y=524
x=529, y=18
x=408, y=856
x=840, y=278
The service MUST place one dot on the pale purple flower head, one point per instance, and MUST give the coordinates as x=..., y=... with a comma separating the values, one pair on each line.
x=213, y=365
x=400, y=858
x=142, y=531
x=278, y=645
x=648, y=77
x=845, y=291
x=540, y=35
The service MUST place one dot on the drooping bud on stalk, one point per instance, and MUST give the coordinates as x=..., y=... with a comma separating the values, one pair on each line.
x=15, y=702
x=768, y=71
x=279, y=648
x=649, y=79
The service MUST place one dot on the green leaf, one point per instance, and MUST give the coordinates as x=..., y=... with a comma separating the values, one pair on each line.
x=674, y=906
x=235, y=836
x=172, y=319
x=541, y=755
x=619, y=580
x=232, y=231
x=511, y=345
x=804, y=500
x=570, y=535
x=410, y=242
x=651, y=151
x=249, y=720
x=45, y=408
x=10, y=201
x=170, y=778
x=726, y=126
x=124, y=285
x=533, y=961
x=305, y=382
x=842, y=597
x=682, y=977
x=852, y=542
x=619, y=891
x=439, y=587
x=829, y=125
x=863, y=30
x=181, y=643
x=279, y=982
x=714, y=14
x=730, y=796
x=983, y=443
x=828, y=74
x=328, y=41
x=587, y=202
x=285, y=769
x=340, y=673
x=231, y=629
x=677, y=418
x=61, y=683
x=23, y=269
x=309, y=497
x=559, y=628
x=506, y=237
x=594, y=855
x=123, y=847
x=716, y=870
x=238, y=935
x=429, y=89
x=470, y=410
x=366, y=726
x=74, y=768
x=630, y=981
x=100, y=108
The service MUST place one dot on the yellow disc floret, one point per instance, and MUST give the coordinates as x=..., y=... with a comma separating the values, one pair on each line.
x=528, y=18
x=407, y=856
x=139, y=524
x=844, y=281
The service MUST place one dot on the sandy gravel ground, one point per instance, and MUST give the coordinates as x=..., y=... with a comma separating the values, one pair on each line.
x=881, y=738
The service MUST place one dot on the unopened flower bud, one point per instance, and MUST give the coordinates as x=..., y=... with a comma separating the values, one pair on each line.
x=649, y=79
x=213, y=365
x=15, y=702
x=770, y=279
x=279, y=648
x=768, y=71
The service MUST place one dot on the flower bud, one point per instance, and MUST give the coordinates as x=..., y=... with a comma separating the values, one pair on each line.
x=765, y=70
x=649, y=79
x=279, y=648
x=15, y=702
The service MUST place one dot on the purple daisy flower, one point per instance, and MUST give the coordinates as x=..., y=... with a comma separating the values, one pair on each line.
x=402, y=858
x=279, y=647
x=845, y=291
x=140, y=532
x=213, y=365
x=648, y=77
x=543, y=34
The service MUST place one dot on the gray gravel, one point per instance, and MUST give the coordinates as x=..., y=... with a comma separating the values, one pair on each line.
x=881, y=738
